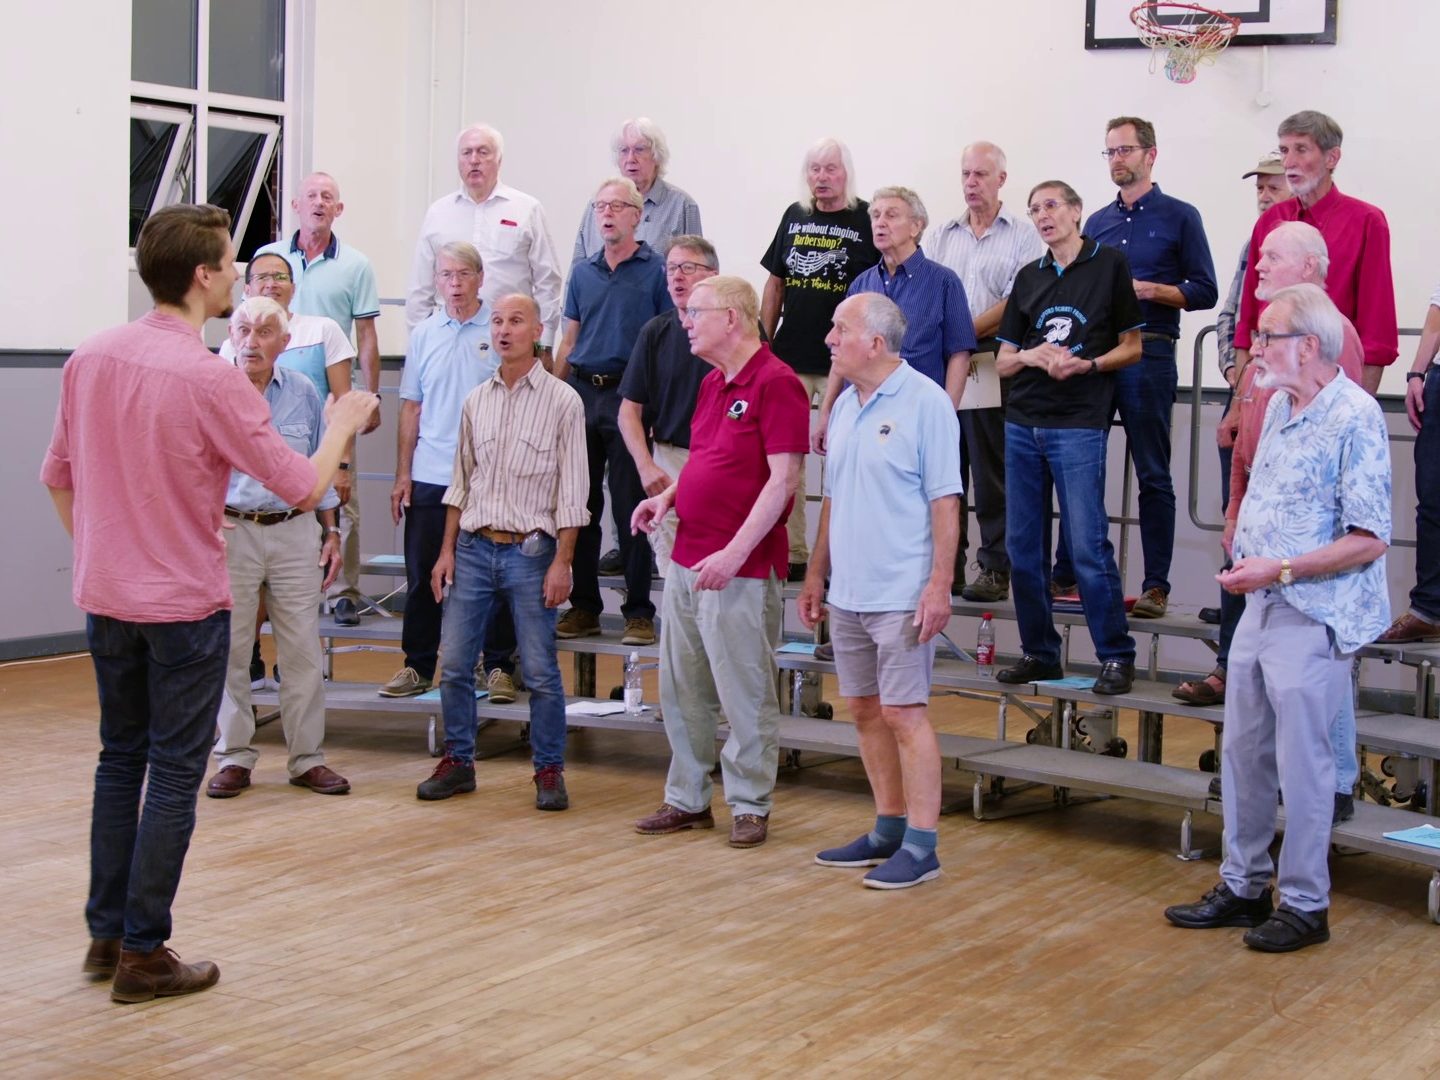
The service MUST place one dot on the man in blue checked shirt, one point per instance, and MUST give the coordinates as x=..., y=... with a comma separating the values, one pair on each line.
x=1310, y=560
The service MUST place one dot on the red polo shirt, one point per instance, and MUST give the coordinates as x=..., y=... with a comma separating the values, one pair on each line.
x=1359, y=280
x=737, y=424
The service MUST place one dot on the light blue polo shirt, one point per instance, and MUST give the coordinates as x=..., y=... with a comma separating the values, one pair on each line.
x=885, y=462
x=339, y=283
x=445, y=361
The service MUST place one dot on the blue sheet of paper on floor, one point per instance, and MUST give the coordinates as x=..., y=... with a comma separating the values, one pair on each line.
x=1070, y=682
x=806, y=648
x=1424, y=835
x=434, y=695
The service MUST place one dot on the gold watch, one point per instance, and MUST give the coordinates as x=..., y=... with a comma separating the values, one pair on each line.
x=1287, y=576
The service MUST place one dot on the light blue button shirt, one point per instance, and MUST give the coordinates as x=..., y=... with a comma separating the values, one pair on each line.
x=445, y=361
x=885, y=462
x=1316, y=477
x=296, y=412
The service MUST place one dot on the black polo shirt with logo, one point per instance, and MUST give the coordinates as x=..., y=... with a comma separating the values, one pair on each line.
x=1083, y=307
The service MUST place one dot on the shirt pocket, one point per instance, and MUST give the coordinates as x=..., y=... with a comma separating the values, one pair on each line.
x=502, y=241
x=534, y=458
x=296, y=436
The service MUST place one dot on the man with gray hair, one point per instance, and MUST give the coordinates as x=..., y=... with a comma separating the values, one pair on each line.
x=822, y=245
x=894, y=456
x=722, y=598
x=1357, y=234
x=642, y=154
x=271, y=549
x=506, y=226
x=1310, y=559
x=986, y=247
x=608, y=300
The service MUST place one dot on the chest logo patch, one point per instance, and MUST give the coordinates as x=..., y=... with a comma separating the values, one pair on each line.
x=886, y=430
x=737, y=409
x=1057, y=329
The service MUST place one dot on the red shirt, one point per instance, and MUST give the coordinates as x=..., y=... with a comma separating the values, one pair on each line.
x=149, y=425
x=1359, y=281
x=764, y=410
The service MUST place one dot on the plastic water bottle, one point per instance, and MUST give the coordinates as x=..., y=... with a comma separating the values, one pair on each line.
x=634, y=693
x=985, y=648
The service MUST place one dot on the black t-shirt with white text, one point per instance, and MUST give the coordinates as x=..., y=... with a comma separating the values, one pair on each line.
x=817, y=254
x=1084, y=308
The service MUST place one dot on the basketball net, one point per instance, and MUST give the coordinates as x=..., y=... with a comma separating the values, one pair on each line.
x=1195, y=39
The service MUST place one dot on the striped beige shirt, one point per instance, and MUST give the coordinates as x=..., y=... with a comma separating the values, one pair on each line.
x=520, y=463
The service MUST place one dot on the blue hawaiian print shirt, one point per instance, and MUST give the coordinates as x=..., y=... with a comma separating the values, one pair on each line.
x=1316, y=477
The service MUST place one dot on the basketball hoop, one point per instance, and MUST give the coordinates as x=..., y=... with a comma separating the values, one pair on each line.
x=1189, y=34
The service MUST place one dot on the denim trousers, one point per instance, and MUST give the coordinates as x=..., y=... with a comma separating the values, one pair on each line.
x=488, y=574
x=160, y=686
x=1074, y=460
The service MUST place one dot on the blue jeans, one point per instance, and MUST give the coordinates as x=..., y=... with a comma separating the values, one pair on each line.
x=1074, y=458
x=160, y=686
x=1425, y=596
x=488, y=574
x=1145, y=398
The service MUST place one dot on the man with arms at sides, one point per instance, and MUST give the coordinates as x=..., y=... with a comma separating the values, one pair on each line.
x=336, y=281
x=660, y=385
x=513, y=509
x=1356, y=234
x=448, y=356
x=642, y=154
x=894, y=456
x=504, y=224
x=823, y=244
x=148, y=414
x=608, y=300
x=722, y=614
x=270, y=552
x=1309, y=551
x=1071, y=322
x=986, y=247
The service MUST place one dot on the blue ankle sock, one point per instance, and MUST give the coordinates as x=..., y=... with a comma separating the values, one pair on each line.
x=919, y=842
x=888, y=829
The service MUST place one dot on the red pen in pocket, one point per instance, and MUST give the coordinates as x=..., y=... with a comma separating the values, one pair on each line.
x=512, y=224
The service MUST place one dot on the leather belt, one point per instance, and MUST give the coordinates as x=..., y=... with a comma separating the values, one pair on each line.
x=601, y=381
x=500, y=536
x=1151, y=335
x=274, y=517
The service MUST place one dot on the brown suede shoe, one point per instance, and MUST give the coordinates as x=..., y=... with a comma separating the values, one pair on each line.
x=670, y=819
x=323, y=779
x=1408, y=628
x=228, y=782
x=144, y=976
x=748, y=830
x=101, y=957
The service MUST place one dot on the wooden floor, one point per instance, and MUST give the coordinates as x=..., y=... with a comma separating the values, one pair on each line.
x=375, y=935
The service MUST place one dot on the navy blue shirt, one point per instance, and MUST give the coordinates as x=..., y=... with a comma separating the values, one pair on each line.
x=1164, y=241
x=612, y=305
x=936, y=311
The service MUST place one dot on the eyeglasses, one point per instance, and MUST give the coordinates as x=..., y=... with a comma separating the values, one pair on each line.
x=615, y=205
x=278, y=278
x=691, y=312
x=1049, y=206
x=1263, y=338
x=634, y=151
x=1120, y=151
x=455, y=275
x=687, y=268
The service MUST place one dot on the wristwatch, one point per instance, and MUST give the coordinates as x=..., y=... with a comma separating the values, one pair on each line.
x=329, y=529
x=1415, y=374
x=1287, y=576
x=1094, y=367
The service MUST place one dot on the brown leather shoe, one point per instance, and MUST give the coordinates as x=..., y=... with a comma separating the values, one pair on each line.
x=102, y=957
x=748, y=830
x=1408, y=628
x=670, y=819
x=228, y=782
x=323, y=779
x=144, y=976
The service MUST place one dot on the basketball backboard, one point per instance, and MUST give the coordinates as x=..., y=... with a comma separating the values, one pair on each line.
x=1262, y=22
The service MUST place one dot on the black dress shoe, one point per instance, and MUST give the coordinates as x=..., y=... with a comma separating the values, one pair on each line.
x=1344, y=807
x=1221, y=907
x=1288, y=929
x=611, y=563
x=345, y=612
x=1215, y=786
x=1116, y=677
x=1210, y=615
x=1029, y=669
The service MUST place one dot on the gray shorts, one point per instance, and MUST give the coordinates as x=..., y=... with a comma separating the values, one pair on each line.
x=878, y=652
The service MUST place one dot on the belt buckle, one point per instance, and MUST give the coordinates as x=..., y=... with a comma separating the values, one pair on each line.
x=597, y=380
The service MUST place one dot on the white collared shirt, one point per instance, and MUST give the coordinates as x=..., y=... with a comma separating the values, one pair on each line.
x=987, y=266
x=510, y=232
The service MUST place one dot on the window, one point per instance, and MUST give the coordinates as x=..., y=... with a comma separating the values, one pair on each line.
x=211, y=116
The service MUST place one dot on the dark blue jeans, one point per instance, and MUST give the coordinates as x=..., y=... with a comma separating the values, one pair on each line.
x=1232, y=606
x=160, y=686
x=1425, y=596
x=420, y=633
x=1074, y=459
x=488, y=574
x=1145, y=398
